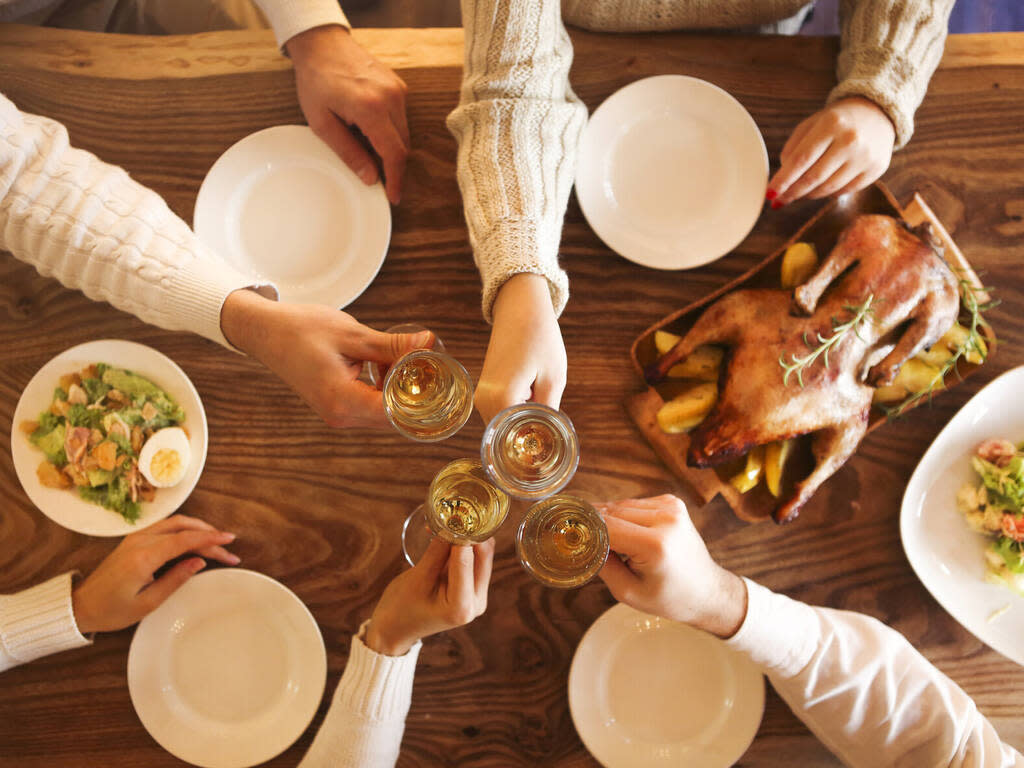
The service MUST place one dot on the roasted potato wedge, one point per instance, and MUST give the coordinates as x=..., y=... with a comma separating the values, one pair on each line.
x=914, y=376
x=798, y=263
x=688, y=409
x=750, y=476
x=703, y=364
x=944, y=349
x=775, y=456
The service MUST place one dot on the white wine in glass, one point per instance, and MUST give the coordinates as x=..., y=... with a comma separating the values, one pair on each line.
x=530, y=450
x=462, y=507
x=562, y=541
x=428, y=395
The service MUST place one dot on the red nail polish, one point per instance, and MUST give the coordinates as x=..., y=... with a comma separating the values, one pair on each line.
x=776, y=205
x=770, y=194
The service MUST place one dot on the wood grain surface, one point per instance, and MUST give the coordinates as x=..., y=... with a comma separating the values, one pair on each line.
x=321, y=510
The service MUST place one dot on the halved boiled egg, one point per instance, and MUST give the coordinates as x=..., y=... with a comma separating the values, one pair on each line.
x=165, y=457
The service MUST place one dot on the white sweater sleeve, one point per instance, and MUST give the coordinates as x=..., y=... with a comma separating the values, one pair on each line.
x=290, y=17
x=864, y=690
x=518, y=126
x=92, y=227
x=37, y=622
x=366, y=720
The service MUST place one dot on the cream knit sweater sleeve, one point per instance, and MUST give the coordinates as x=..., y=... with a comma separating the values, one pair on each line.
x=92, y=227
x=517, y=126
x=863, y=690
x=889, y=51
x=37, y=622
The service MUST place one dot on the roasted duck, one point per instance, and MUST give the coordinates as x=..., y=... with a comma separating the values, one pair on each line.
x=894, y=293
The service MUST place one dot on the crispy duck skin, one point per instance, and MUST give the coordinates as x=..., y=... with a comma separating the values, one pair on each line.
x=915, y=299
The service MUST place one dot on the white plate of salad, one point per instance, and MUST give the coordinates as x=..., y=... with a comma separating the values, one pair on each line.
x=962, y=521
x=109, y=437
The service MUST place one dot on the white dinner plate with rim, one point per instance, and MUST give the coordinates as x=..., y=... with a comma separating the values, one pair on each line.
x=229, y=671
x=671, y=172
x=646, y=692
x=281, y=206
x=66, y=507
x=945, y=553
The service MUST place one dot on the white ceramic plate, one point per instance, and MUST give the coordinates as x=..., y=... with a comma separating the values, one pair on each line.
x=281, y=206
x=66, y=507
x=945, y=553
x=229, y=671
x=671, y=172
x=645, y=692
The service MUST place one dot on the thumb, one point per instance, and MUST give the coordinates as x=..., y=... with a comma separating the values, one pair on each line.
x=381, y=347
x=621, y=581
x=153, y=595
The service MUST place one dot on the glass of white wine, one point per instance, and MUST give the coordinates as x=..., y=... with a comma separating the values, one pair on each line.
x=462, y=508
x=562, y=541
x=371, y=370
x=530, y=451
x=428, y=395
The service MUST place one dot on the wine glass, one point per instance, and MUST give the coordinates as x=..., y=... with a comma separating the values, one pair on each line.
x=530, y=451
x=562, y=541
x=371, y=369
x=428, y=395
x=462, y=507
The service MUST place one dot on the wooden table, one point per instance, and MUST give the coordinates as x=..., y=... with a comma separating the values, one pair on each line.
x=321, y=510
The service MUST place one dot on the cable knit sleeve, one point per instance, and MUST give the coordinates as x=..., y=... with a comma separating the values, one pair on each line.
x=37, y=622
x=366, y=720
x=290, y=17
x=92, y=227
x=889, y=50
x=864, y=690
x=518, y=125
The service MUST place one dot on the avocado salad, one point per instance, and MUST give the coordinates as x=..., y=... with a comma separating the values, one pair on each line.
x=93, y=432
x=995, y=507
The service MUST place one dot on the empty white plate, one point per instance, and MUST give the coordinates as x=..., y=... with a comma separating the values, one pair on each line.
x=671, y=172
x=945, y=553
x=281, y=206
x=648, y=692
x=65, y=507
x=229, y=671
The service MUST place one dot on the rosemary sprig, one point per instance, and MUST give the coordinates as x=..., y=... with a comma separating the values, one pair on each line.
x=973, y=342
x=825, y=343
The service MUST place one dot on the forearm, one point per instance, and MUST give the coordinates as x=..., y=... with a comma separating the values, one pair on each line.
x=290, y=17
x=92, y=227
x=366, y=719
x=517, y=125
x=863, y=689
x=37, y=622
x=889, y=50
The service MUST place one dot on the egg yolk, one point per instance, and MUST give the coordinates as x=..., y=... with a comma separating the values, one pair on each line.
x=166, y=465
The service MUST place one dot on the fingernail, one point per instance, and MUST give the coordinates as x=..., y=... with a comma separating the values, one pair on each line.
x=230, y=536
x=367, y=175
x=234, y=559
x=776, y=205
x=197, y=565
x=770, y=194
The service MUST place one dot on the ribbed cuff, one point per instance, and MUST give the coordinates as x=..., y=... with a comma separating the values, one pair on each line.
x=290, y=17
x=196, y=294
x=885, y=78
x=778, y=634
x=516, y=247
x=376, y=686
x=39, y=621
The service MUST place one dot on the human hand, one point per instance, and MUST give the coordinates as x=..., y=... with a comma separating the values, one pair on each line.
x=840, y=149
x=526, y=357
x=319, y=352
x=340, y=85
x=667, y=569
x=121, y=591
x=445, y=589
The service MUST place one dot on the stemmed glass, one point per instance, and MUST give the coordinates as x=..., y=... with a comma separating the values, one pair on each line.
x=462, y=507
x=562, y=541
x=530, y=451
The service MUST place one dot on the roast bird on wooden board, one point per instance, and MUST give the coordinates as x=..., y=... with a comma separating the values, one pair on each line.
x=807, y=362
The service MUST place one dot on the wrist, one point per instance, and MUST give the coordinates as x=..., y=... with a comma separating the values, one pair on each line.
x=307, y=42
x=523, y=290
x=380, y=640
x=243, y=321
x=83, y=615
x=727, y=609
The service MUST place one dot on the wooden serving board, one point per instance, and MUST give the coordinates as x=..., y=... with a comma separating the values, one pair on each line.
x=822, y=230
